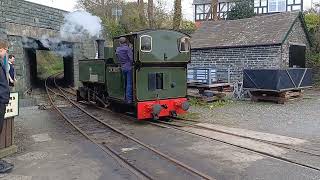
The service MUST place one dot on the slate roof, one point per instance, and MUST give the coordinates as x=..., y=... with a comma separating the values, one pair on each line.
x=259, y=30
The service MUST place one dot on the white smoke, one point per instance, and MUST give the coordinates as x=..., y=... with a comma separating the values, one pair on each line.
x=79, y=24
x=55, y=44
x=29, y=43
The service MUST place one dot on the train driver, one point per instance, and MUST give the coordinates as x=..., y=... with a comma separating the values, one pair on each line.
x=125, y=56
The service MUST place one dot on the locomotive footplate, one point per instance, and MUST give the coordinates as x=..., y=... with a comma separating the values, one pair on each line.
x=162, y=108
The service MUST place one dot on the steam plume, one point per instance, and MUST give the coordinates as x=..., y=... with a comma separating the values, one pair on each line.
x=81, y=23
x=78, y=26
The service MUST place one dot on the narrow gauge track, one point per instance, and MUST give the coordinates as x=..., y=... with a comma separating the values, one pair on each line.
x=179, y=127
x=112, y=140
x=193, y=123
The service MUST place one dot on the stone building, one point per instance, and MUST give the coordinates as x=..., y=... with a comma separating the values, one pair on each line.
x=22, y=21
x=271, y=41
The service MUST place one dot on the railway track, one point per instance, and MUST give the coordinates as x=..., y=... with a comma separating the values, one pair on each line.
x=180, y=127
x=178, y=124
x=128, y=151
x=193, y=123
x=181, y=123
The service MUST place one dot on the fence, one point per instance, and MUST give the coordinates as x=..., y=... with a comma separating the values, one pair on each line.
x=208, y=75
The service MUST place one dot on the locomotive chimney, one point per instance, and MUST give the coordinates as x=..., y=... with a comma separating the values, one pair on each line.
x=100, y=43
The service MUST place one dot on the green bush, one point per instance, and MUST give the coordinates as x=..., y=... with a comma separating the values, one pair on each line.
x=313, y=58
x=113, y=28
x=212, y=105
x=312, y=20
x=242, y=9
x=188, y=27
x=48, y=64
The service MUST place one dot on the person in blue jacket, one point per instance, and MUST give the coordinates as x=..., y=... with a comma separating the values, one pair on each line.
x=125, y=56
x=4, y=97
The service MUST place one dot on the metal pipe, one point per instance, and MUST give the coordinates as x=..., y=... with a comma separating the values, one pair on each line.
x=100, y=43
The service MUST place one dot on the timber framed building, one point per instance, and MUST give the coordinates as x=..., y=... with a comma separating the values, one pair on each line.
x=202, y=7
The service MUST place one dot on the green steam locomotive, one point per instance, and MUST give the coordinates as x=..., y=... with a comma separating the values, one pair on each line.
x=160, y=59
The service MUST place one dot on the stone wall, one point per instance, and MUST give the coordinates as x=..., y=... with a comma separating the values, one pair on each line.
x=22, y=19
x=21, y=64
x=237, y=59
x=31, y=14
x=296, y=36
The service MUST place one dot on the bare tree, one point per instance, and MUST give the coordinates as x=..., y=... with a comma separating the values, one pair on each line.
x=101, y=8
x=214, y=5
x=141, y=12
x=150, y=14
x=177, y=17
x=213, y=10
x=134, y=14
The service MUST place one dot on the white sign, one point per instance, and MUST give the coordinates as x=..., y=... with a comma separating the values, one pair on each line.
x=94, y=78
x=12, y=109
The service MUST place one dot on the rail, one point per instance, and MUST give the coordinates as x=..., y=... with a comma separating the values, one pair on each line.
x=178, y=127
x=112, y=152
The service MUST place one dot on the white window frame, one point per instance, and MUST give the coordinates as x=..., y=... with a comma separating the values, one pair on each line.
x=277, y=6
x=180, y=44
x=141, y=43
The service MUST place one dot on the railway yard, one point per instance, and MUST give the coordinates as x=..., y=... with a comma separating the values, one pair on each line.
x=240, y=140
x=134, y=90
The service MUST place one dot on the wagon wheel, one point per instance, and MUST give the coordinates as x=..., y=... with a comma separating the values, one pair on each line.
x=102, y=102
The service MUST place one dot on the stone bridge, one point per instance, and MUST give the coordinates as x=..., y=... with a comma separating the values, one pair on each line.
x=21, y=20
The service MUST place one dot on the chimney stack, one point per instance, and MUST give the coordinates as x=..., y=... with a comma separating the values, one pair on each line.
x=100, y=43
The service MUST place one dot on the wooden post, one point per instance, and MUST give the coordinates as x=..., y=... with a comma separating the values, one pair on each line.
x=6, y=138
x=7, y=146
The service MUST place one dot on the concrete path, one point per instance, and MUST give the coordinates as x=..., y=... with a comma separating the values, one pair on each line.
x=49, y=149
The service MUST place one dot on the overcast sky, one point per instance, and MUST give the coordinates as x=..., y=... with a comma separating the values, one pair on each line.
x=187, y=9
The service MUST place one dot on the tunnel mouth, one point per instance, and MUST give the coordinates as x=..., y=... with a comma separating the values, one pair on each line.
x=43, y=61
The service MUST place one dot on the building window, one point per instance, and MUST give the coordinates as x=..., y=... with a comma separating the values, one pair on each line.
x=277, y=5
x=294, y=5
x=224, y=8
x=202, y=11
x=184, y=44
x=269, y=6
x=146, y=43
x=260, y=6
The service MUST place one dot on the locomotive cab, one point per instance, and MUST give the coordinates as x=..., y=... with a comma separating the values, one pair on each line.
x=160, y=59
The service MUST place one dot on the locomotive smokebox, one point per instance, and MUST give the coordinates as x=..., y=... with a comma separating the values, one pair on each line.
x=100, y=44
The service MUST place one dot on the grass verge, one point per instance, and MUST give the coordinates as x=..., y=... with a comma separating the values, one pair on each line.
x=217, y=104
x=48, y=63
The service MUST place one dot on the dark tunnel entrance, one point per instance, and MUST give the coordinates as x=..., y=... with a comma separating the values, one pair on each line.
x=42, y=62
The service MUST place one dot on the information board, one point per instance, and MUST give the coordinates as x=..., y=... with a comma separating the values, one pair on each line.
x=12, y=109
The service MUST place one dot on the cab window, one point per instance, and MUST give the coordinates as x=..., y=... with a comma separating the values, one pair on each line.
x=184, y=44
x=146, y=43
